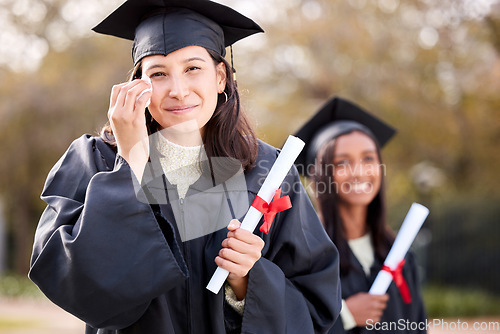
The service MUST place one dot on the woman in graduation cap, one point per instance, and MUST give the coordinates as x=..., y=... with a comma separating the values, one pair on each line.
x=342, y=158
x=137, y=219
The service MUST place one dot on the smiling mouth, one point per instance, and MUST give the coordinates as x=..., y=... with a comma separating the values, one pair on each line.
x=181, y=109
x=363, y=187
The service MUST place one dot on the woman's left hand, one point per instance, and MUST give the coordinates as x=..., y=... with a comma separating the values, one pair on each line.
x=240, y=251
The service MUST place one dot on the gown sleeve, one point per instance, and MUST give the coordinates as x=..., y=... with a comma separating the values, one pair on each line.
x=294, y=287
x=417, y=313
x=98, y=251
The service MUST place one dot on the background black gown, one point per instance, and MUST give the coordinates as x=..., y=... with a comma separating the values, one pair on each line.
x=404, y=318
x=120, y=265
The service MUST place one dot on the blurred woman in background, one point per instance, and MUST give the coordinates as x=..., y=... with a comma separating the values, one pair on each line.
x=342, y=159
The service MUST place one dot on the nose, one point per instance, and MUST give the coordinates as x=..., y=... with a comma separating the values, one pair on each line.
x=178, y=88
x=357, y=169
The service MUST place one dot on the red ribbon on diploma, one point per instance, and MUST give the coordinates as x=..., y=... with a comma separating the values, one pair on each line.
x=399, y=280
x=277, y=204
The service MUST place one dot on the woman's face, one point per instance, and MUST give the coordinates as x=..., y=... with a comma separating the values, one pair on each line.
x=186, y=84
x=358, y=172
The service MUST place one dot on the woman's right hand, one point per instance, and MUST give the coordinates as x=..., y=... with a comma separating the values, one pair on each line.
x=128, y=122
x=364, y=306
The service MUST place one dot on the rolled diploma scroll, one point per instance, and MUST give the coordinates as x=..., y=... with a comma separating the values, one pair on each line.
x=290, y=151
x=407, y=233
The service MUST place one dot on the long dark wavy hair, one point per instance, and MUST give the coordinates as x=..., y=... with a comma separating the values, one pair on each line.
x=228, y=133
x=382, y=236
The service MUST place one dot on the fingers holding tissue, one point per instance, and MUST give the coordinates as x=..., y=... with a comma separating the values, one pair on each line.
x=150, y=89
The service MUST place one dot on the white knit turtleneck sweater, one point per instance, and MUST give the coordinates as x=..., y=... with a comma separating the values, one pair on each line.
x=180, y=163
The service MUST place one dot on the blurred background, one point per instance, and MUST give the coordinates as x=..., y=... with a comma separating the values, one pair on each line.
x=429, y=68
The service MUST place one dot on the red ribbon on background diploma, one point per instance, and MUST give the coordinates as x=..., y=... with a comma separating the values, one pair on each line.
x=399, y=280
x=269, y=211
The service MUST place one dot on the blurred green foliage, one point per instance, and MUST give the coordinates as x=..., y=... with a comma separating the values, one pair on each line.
x=18, y=286
x=16, y=324
x=447, y=301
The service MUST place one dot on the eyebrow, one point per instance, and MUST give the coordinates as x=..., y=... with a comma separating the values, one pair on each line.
x=185, y=61
x=194, y=58
x=347, y=154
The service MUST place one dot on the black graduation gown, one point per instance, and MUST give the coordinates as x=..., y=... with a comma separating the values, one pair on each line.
x=404, y=318
x=119, y=265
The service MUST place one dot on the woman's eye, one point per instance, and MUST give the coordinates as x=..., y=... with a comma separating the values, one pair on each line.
x=157, y=74
x=342, y=163
x=369, y=158
x=192, y=68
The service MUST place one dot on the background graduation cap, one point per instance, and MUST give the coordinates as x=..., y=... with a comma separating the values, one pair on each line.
x=164, y=26
x=337, y=117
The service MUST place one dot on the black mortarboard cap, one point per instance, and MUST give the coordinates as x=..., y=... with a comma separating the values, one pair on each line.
x=164, y=26
x=337, y=117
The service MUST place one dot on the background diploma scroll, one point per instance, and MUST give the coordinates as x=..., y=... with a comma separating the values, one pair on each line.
x=293, y=146
x=407, y=233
